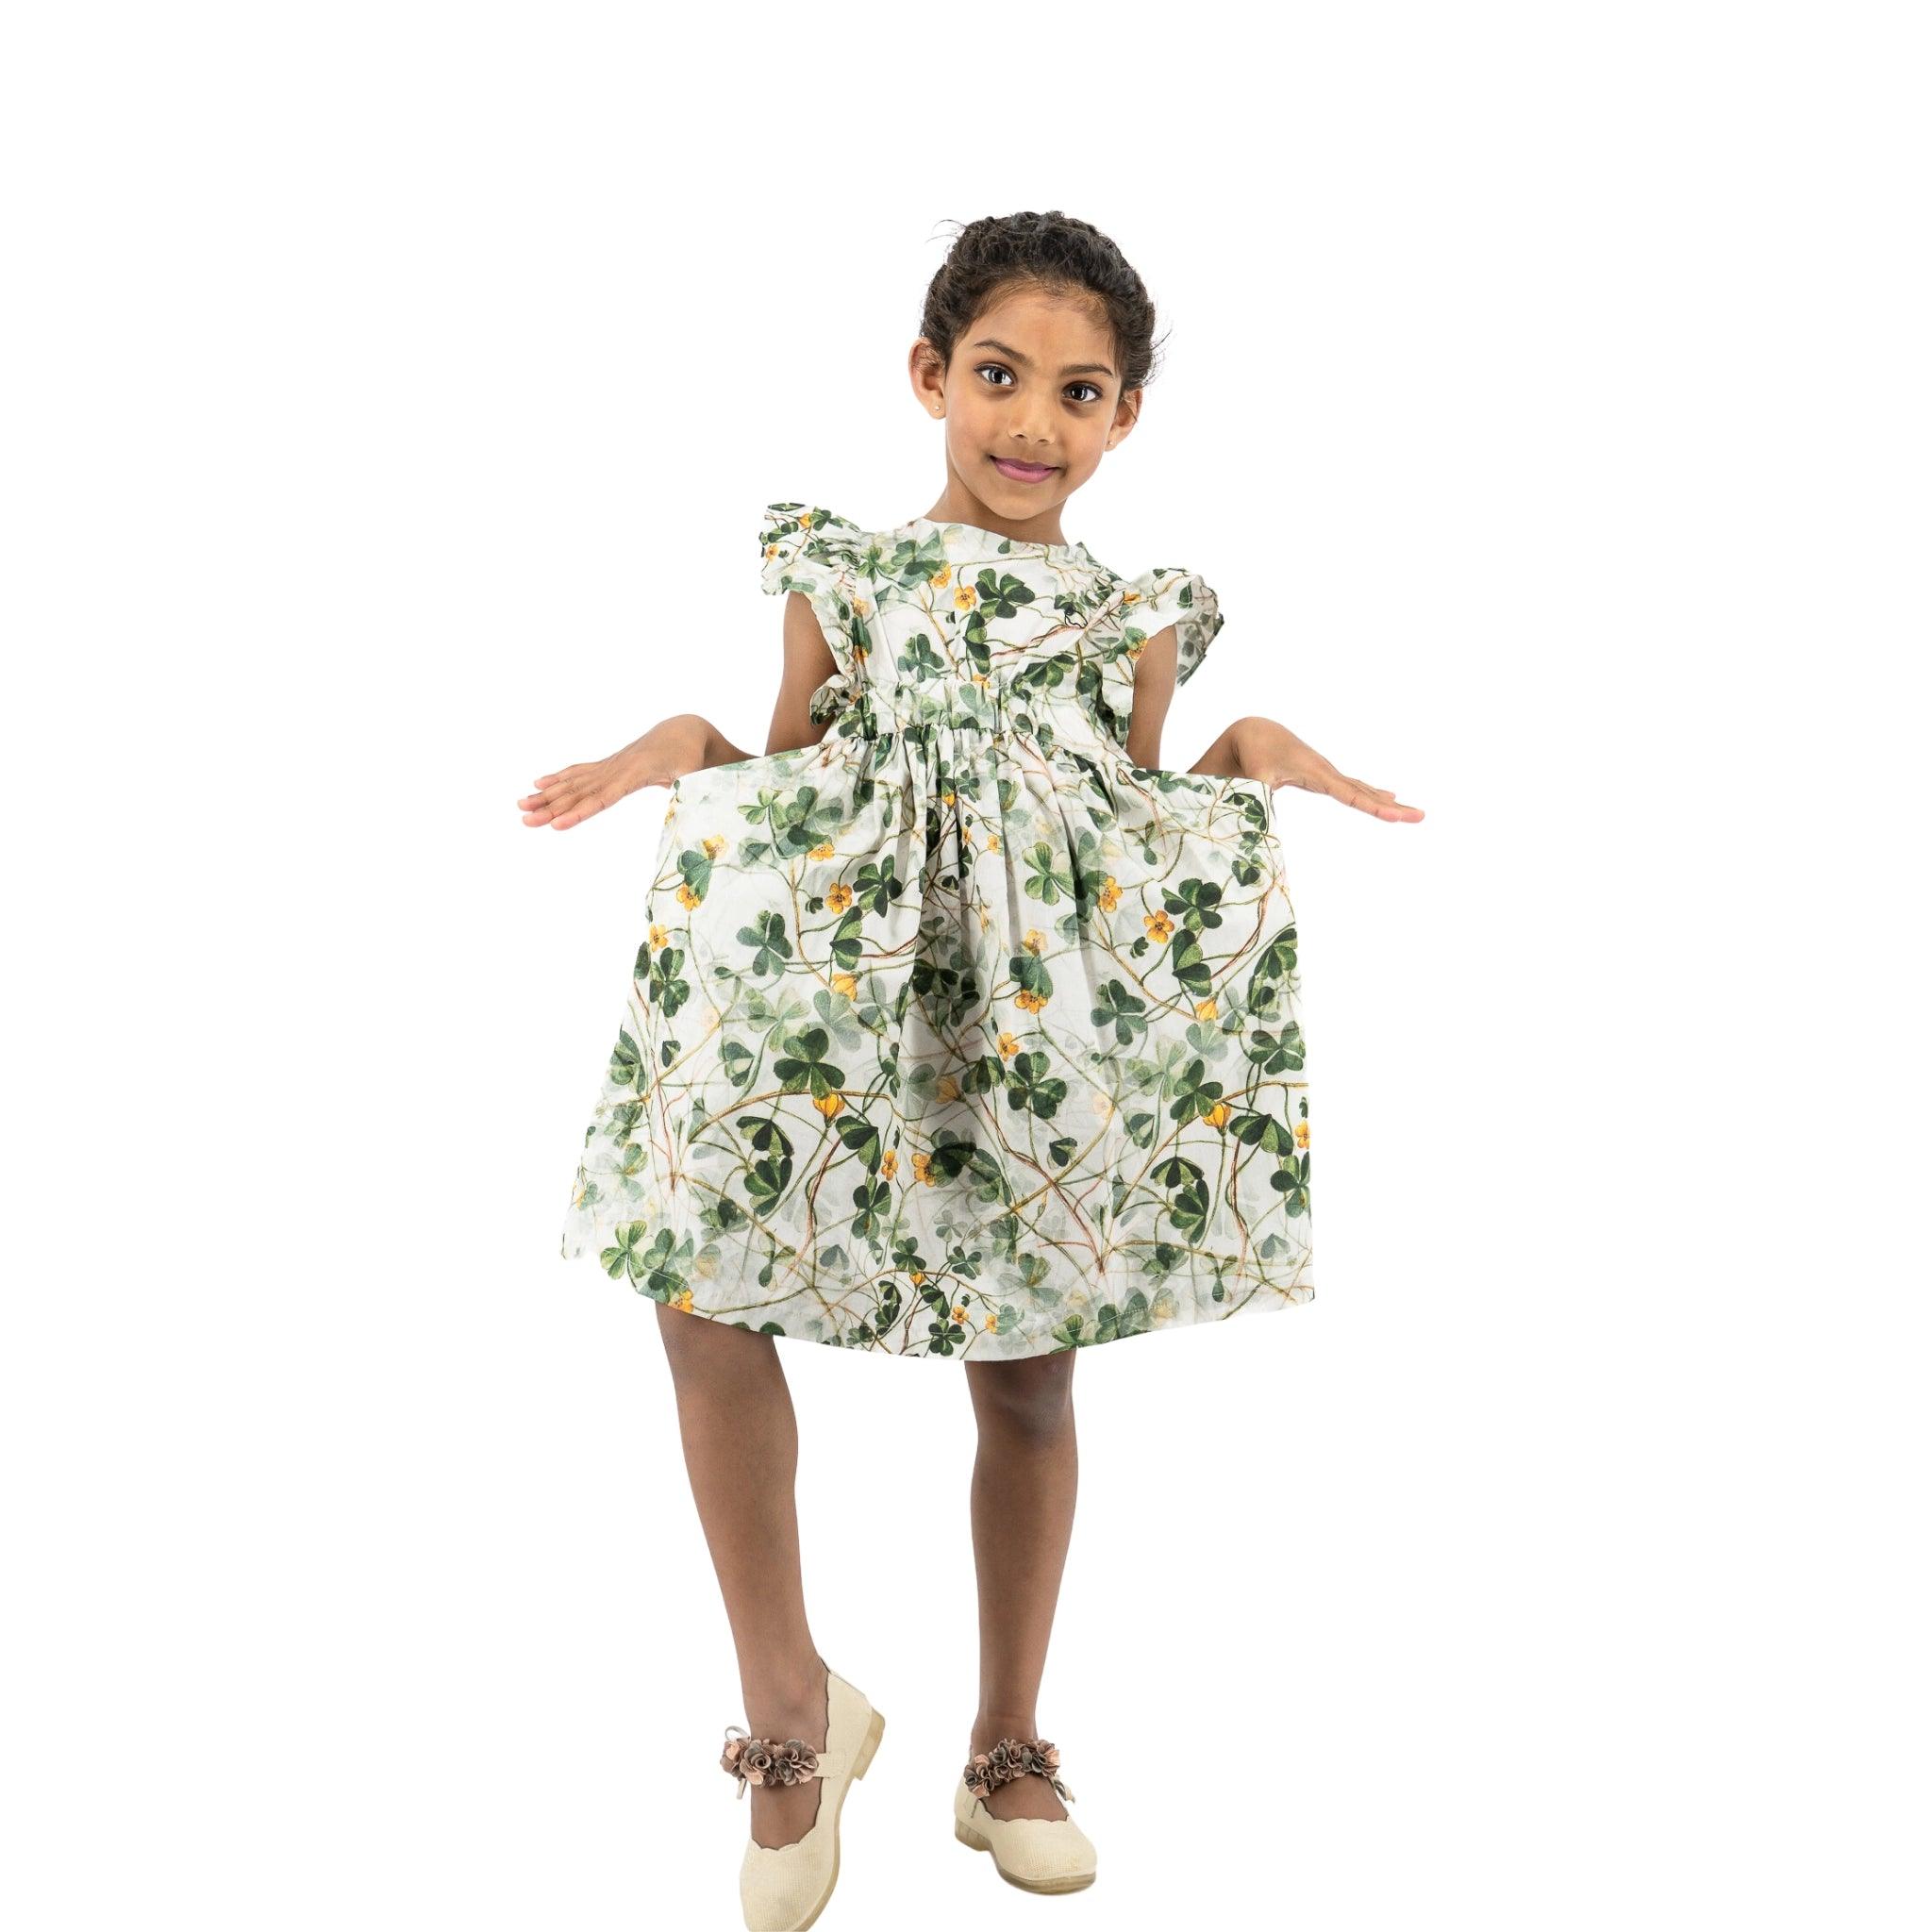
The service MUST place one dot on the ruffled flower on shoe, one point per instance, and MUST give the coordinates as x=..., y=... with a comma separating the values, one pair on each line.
x=767, y=1760
x=1013, y=1758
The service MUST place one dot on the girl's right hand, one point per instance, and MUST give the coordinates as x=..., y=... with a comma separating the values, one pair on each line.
x=668, y=750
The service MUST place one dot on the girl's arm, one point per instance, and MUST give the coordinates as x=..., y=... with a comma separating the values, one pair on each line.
x=688, y=743
x=1249, y=748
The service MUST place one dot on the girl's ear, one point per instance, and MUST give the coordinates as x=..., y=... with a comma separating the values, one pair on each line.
x=1126, y=413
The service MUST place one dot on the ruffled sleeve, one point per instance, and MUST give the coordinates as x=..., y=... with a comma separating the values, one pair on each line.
x=1166, y=595
x=808, y=549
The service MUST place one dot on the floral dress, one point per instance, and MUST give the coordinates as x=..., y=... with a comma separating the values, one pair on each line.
x=958, y=1033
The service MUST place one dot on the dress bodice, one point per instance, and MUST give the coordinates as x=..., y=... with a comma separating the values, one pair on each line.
x=940, y=623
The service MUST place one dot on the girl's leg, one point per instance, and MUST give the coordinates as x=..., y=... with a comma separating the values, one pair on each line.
x=741, y=1450
x=1023, y=1482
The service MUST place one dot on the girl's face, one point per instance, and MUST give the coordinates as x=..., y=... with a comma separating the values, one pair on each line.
x=1031, y=401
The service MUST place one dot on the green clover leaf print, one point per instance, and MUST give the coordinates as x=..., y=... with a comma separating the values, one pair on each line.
x=626, y=1060
x=1276, y=1052
x=798, y=822
x=666, y=990
x=659, y=1271
x=804, y=1064
x=1000, y=595
x=767, y=937
x=1199, y=1096
x=1264, y=1131
x=875, y=885
x=1125, y=1012
x=1028, y=1085
x=847, y=941
x=1030, y=972
x=862, y=1138
x=919, y=662
x=1193, y=903
x=1271, y=970
x=872, y=1201
x=1186, y=1201
x=1189, y=964
x=1292, y=1179
x=1046, y=879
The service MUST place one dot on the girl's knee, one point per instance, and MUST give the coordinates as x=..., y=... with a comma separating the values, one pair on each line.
x=1034, y=1395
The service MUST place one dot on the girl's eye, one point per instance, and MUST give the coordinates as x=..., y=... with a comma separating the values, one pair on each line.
x=1000, y=368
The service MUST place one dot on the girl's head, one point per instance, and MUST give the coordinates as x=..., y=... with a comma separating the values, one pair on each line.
x=1036, y=341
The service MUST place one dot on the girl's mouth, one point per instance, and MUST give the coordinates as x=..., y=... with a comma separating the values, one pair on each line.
x=1024, y=472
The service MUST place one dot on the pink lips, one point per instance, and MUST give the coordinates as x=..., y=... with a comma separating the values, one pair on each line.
x=1023, y=473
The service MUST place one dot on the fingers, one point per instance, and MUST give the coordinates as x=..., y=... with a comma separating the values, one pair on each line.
x=564, y=805
x=1375, y=799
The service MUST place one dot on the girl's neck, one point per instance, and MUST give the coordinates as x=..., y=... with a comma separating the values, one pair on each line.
x=958, y=504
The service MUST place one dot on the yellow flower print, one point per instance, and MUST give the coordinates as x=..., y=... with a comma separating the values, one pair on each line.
x=1217, y=1115
x=981, y=679
x=1031, y=1001
x=1034, y=941
x=824, y=850
x=659, y=936
x=829, y=1104
x=1158, y=925
x=942, y=577
x=921, y=1169
x=992, y=842
x=947, y=1087
x=687, y=898
x=858, y=653
x=1131, y=597
x=918, y=1275
x=958, y=1313
x=1008, y=1046
x=889, y=1163
x=964, y=598
x=1301, y=1135
x=713, y=845
x=805, y=524
x=860, y=607
x=993, y=1321
x=682, y=1299
x=837, y=897
x=845, y=983
x=946, y=798
x=1109, y=893
x=1206, y=1010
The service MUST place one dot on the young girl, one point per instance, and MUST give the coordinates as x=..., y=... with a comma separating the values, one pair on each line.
x=961, y=1028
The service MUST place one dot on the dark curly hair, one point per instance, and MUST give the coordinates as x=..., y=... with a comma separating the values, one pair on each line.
x=1057, y=253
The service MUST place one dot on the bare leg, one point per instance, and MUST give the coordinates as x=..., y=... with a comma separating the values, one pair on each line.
x=1023, y=1482
x=740, y=1451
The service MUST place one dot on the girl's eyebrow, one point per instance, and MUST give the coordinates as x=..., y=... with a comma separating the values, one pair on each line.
x=1072, y=368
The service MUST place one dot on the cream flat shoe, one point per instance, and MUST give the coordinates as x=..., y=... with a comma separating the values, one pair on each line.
x=784, y=1888
x=1036, y=1854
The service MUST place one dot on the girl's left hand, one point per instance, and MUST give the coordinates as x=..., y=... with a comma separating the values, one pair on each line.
x=1274, y=754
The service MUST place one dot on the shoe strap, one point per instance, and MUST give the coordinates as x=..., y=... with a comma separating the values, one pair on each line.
x=1010, y=1758
x=777, y=1760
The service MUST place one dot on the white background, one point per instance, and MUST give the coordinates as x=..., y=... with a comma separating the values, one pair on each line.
x=390, y=393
